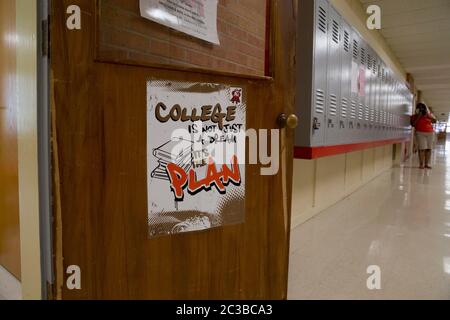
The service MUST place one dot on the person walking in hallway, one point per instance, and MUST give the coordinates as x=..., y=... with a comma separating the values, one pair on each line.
x=422, y=121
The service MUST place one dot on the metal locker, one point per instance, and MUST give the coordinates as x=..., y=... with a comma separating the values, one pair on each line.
x=374, y=95
x=354, y=125
x=320, y=73
x=383, y=105
x=394, y=101
x=380, y=109
x=345, y=92
x=346, y=83
x=376, y=102
x=371, y=104
x=378, y=98
x=333, y=77
x=361, y=124
x=391, y=103
x=364, y=94
x=386, y=103
x=366, y=104
x=311, y=87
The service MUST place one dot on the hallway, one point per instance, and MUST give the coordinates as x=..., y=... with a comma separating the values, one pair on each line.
x=400, y=222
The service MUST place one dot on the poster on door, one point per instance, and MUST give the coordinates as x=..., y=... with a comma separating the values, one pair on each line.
x=195, y=156
x=197, y=18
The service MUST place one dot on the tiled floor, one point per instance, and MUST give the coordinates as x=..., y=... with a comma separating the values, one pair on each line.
x=399, y=222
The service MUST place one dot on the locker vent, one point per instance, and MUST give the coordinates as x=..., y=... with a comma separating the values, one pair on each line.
x=369, y=62
x=372, y=115
x=353, y=110
x=344, y=105
x=367, y=113
x=363, y=56
x=346, y=41
x=322, y=20
x=335, y=32
x=361, y=112
x=320, y=101
x=355, y=49
x=333, y=105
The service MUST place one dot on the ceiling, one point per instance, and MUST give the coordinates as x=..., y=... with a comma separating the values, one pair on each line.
x=418, y=32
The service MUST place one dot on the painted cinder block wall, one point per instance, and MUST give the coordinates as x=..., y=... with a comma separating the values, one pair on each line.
x=320, y=183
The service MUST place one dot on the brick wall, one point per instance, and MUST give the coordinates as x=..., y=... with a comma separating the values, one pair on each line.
x=124, y=34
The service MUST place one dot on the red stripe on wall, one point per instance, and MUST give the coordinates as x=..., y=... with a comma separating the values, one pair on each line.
x=326, y=151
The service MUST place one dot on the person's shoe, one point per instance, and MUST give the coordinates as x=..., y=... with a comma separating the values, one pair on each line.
x=428, y=167
x=422, y=166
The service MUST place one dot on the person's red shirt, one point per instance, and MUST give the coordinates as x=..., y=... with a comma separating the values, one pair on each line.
x=424, y=123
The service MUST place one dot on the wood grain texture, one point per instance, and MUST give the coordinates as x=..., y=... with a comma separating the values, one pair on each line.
x=9, y=185
x=100, y=130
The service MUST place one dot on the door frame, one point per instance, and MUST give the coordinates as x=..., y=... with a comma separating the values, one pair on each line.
x=44, y=148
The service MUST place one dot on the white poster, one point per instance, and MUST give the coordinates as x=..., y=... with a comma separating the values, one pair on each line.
x=195, y=156
x=197, y=18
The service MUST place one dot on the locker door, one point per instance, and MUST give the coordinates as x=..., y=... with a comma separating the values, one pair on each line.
x=390, y=105
x=371, y=105
x=375, y=94
x=353, y=122
x=334, y=77
x=385, y=99
x=397, y=102
x=346, y=98
x=320, y=73
x=386, y=102
x=365, y=103
x=378, y=98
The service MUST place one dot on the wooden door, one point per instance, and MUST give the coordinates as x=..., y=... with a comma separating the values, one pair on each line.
x=99, y=143
x=9, y=185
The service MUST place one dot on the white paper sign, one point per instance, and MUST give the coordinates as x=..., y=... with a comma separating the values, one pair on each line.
x=195, y=156
x=197, y=18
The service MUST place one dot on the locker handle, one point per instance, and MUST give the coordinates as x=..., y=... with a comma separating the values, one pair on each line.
x=316, y=124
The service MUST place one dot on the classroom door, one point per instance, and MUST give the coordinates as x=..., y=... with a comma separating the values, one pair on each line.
x=100, y=172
